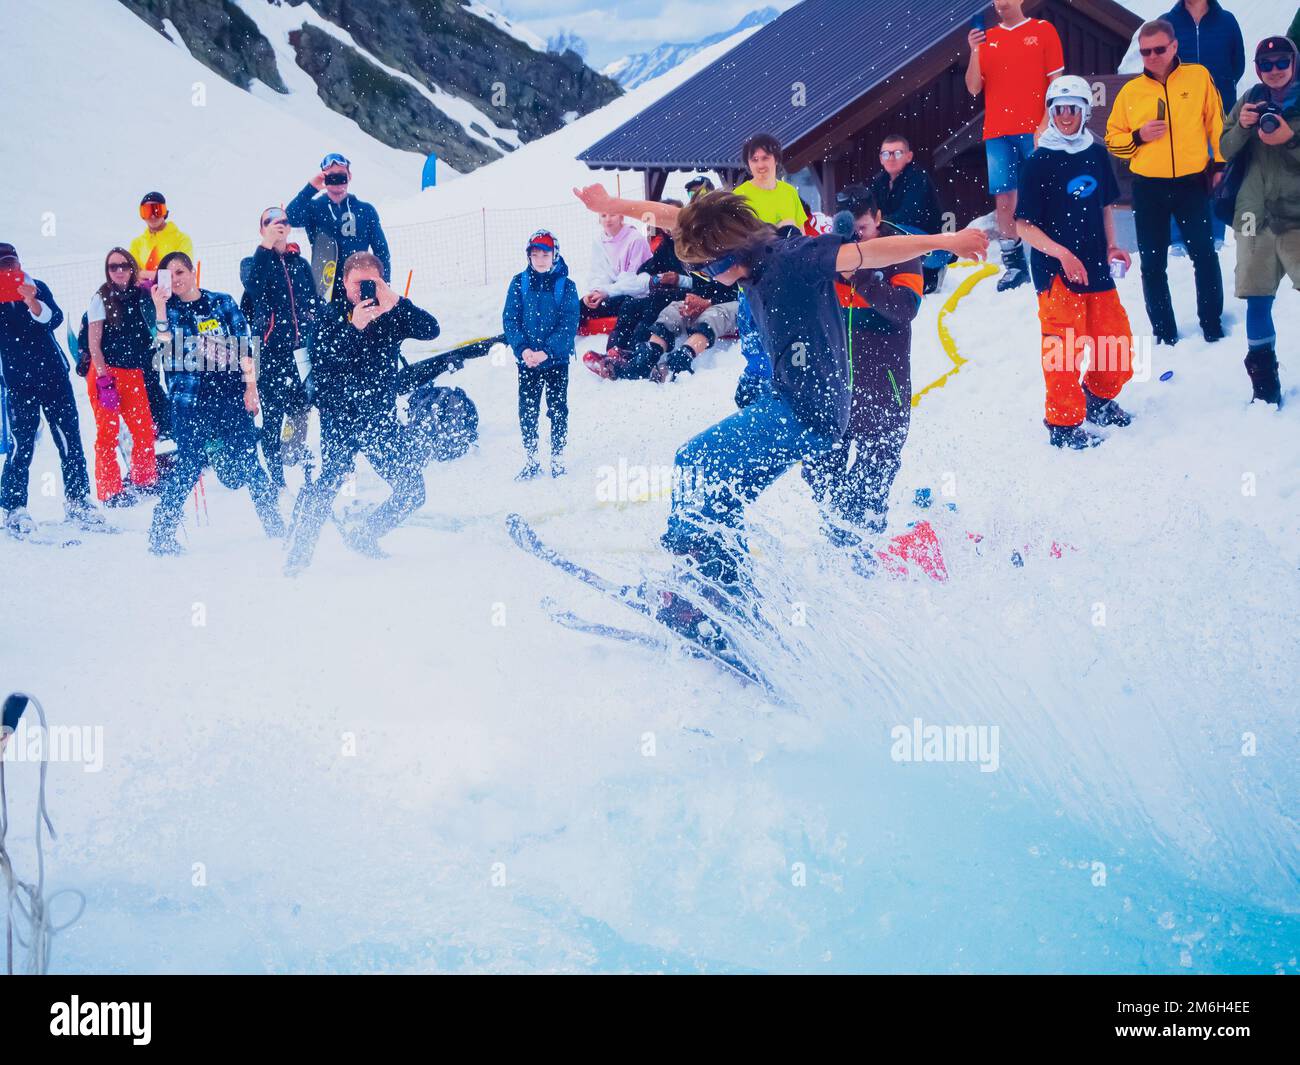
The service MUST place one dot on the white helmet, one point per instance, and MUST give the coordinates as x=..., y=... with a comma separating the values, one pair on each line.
x=1071, y=89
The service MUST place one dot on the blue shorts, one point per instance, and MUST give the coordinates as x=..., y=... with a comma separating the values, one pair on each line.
x=1005, y=154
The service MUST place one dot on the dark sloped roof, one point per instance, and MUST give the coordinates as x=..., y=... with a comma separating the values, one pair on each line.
x=838, y=50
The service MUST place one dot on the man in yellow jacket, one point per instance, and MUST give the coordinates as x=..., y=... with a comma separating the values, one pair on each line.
x=160, y=238
x=1165, y=124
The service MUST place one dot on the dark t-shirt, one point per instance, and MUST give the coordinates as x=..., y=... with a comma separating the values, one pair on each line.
x=1065, y=196
x=791, y=294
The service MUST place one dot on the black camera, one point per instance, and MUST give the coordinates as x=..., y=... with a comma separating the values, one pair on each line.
x=1270, y=117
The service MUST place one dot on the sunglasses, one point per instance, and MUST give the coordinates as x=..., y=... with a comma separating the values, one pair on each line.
x=1067, y=109
x=119, y=266
x=1281, y=63
x=334, y=159
x=894, y=153
x=151, y=212
x=1159, y=49
x=336, y=179
x=272, y=217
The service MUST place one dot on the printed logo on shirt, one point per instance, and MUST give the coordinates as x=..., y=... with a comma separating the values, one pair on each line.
x=1082, y=187
x=209, y=325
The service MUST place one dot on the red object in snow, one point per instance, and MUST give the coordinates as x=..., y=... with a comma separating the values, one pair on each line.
x=918, y=546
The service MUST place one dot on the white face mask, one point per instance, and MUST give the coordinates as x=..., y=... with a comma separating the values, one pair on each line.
x=1054, y=140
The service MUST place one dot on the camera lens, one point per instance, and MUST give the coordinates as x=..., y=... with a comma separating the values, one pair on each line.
x=1269, y=123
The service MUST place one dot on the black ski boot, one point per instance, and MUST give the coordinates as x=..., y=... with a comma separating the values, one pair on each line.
x=1072, y=436
x=1016, y=266
x=1266, y=386
x=1105, y=411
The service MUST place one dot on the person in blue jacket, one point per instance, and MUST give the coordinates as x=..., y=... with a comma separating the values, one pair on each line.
x=280, y=305
x=35, y=373
x=1208, y=34
x=541, y=324
x=352, y=224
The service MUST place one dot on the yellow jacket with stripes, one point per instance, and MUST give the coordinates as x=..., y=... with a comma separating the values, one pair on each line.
x=1193, y=109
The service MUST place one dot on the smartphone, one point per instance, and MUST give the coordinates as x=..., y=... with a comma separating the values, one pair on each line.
x=368, y=290
x=1160, y=110
x=9, y=282
x=164, y=281
x=977, y=23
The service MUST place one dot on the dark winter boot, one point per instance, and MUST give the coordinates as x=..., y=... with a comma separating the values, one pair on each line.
x=532, y=468
x=1072, y=436
x=1105, y=411
x=1213, y=332
x=1016, y=266
x=1266, y=386
x=638, y=362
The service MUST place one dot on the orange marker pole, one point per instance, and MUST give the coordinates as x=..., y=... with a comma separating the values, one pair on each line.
x=409, y=274
x=198, y=274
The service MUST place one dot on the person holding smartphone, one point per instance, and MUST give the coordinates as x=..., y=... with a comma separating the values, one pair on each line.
x=337, y=223
x=354, y=368
x=203, y=341
x=36, y=382
x=280, y=304
x=1011, y=63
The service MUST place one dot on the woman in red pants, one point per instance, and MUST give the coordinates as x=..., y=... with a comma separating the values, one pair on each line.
x=120, y=339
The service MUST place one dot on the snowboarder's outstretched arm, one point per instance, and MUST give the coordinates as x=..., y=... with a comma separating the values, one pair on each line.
x=660, y=215
x=886, y=251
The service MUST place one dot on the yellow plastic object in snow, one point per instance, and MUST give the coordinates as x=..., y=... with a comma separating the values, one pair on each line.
x=945, y=338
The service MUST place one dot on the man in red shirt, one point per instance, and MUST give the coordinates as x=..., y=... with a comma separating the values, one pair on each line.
x=1012, y=64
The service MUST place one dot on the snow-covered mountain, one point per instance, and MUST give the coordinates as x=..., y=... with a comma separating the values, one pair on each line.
x=638, y=68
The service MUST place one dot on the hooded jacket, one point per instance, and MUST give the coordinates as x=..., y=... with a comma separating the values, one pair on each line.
x=353, y=225
x=615, y=261
x=541, y=312
x=279, y=299
x=1215, y=44
x=1270, y=191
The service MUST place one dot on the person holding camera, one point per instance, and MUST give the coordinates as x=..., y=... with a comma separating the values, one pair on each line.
x=1266, y=124
x=280, y=304
x=354, y=371
x=337, y=223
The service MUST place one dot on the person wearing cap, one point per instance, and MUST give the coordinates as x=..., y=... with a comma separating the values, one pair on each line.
x=540, y=321
x=1066, y=215
x=326, y=209
x=1264, y=128
x=35, y=373
x=280, y=304
x=698, y=186
x=851, y=482
x=1165, y=123
x=161, y=236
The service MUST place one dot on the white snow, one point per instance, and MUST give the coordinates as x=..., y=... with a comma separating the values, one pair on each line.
x=518, y=32
x=406, y=766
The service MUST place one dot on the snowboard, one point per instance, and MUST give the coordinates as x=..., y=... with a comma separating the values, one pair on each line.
x=703, y=636
x=324, y=264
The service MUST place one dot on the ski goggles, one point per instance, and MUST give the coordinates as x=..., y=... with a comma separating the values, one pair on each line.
x=334, y=159
x=712, y=270
x=1280, y=62
x=152, y=212
x=336, y=178
x=272, y=215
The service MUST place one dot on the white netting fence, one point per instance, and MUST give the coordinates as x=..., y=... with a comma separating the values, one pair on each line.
x=484, y=247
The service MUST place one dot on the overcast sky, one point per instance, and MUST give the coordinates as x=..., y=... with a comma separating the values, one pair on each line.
x=613, y=28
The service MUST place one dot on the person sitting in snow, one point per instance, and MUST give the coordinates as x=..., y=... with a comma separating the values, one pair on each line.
x=851, y=482
x=616, y=256
x=540, y=321
x=1065, y=214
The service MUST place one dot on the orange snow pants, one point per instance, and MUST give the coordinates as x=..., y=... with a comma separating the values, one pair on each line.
x=135, y=412
x=1074, y=323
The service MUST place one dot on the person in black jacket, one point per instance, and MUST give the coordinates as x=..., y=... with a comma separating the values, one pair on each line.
x=35, y=373
x=280, y=305
x=909, y=201
x=354, y=370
